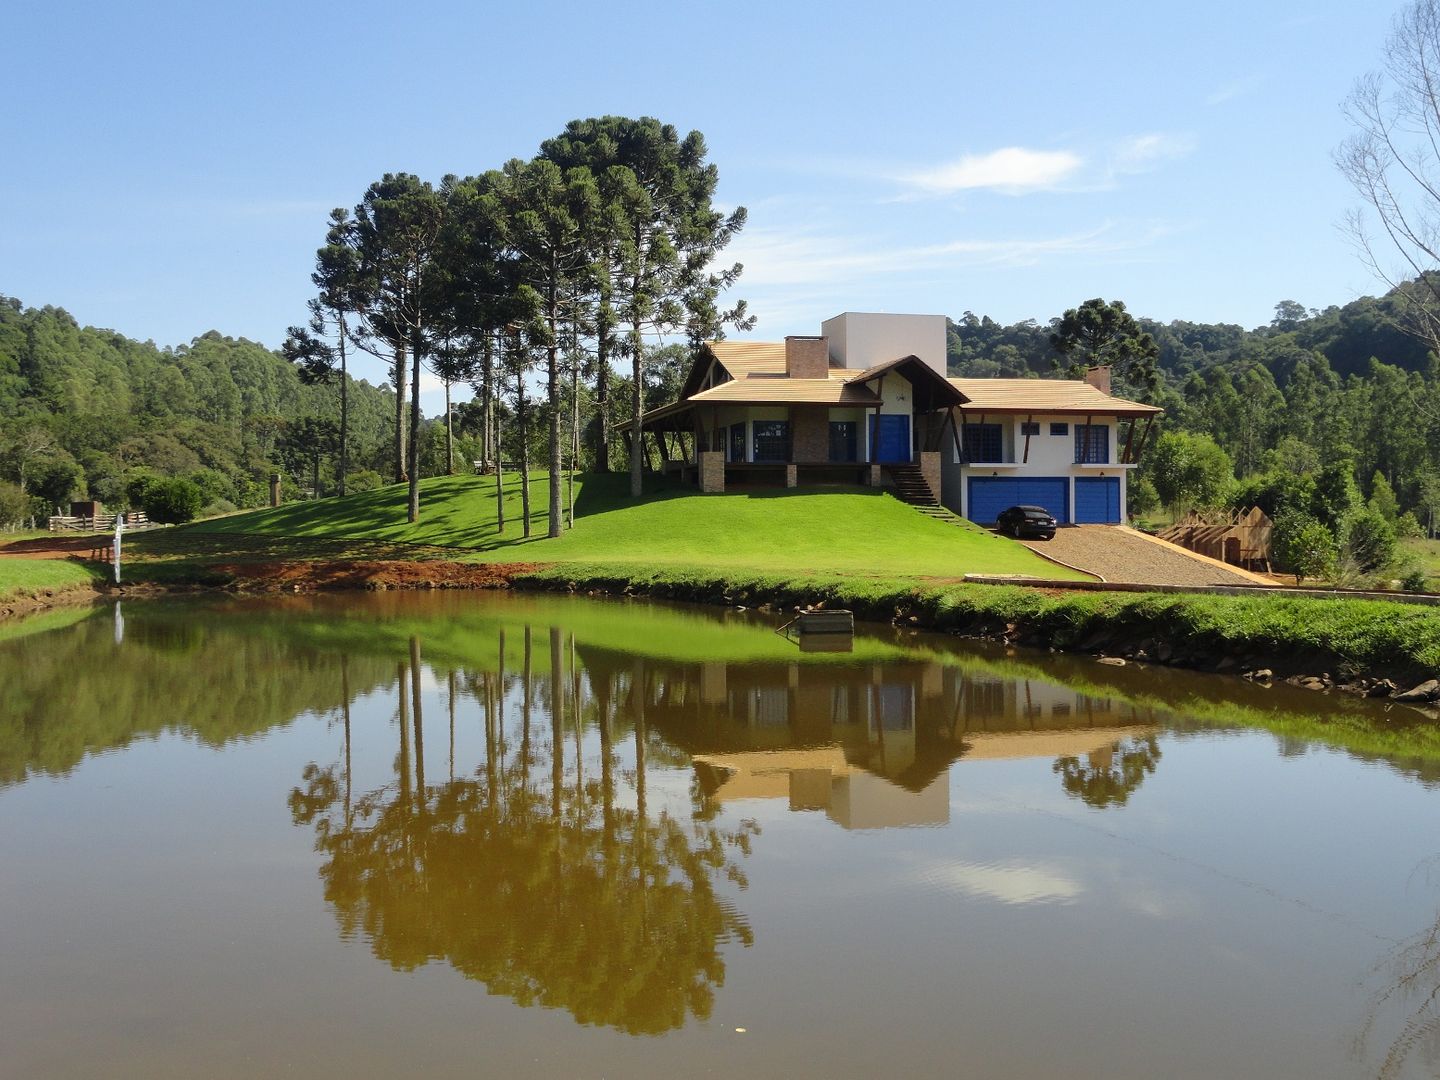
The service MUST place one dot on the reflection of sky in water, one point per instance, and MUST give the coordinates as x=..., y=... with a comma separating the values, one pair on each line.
x=1012, y=883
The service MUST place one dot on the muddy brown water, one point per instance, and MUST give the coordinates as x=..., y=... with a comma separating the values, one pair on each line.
x=473, y=834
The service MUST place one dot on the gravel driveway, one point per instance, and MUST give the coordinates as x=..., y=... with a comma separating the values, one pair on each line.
x=1117, y=554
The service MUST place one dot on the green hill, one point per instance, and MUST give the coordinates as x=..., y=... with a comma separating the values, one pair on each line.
x=852, y=530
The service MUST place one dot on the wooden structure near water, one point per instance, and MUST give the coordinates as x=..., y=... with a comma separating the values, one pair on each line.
x=1243, y=540
x=821, y=630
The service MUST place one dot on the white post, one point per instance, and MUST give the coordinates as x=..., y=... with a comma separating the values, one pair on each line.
x=119, y=528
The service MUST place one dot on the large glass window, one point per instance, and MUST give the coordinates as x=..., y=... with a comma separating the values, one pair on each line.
x=1092, y=444
x=843, y=439
x=772, y=440
x=983, y=442
x=737, y=442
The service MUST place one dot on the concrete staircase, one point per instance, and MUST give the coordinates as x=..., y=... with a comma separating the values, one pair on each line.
x=910, y=486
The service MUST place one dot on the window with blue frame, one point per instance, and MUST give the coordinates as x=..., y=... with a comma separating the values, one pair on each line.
x=983, y=442
x=1092, y=444
x=771, y=440
x=1029, y=427
x=1059, y=429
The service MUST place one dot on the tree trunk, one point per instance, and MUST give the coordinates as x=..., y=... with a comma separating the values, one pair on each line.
x=488, y=443
x=552, y=372
x=449, y=434
x=574, y=423
x=522, y=419
x=636, y=409
x=344, y=412
x=605, y=318
x=499, y=480
x=414, y=512
x=398, y=376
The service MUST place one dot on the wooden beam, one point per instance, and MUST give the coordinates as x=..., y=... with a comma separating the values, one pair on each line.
x=1130, y=438
x=955, y=434
x=1144, y=437
x=1030, y=419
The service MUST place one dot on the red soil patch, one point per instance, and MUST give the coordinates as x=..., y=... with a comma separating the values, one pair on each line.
x=369, y=574
x=60, y=547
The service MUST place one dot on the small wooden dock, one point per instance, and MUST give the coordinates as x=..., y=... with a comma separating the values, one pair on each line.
x=821, y=630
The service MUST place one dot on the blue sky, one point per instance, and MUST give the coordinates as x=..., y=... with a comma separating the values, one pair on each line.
x=166, y=169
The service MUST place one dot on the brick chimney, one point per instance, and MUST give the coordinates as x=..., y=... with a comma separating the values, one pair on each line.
x=807, y=357
x=1099, y=378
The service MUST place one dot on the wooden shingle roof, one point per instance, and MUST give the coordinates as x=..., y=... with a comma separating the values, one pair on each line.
x=1044, y=396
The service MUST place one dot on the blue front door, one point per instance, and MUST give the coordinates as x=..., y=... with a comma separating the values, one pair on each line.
x=890, y=437
x=1097, y=500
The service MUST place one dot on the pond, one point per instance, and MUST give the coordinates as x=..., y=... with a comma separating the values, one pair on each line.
x=461, y=834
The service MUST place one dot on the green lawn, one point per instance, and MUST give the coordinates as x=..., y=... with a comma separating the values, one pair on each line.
x=853, y=530
x=23, y=577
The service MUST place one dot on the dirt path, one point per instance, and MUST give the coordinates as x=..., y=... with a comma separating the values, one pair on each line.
x=61, y=546
x=1118, y=554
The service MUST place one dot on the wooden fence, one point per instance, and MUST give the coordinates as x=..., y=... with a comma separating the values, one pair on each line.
x=99, y=523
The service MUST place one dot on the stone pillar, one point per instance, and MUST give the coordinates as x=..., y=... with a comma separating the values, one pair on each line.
x=275, y=490
x=792, y=475
x=930, y=470
x=712, y=471
x=874, y=478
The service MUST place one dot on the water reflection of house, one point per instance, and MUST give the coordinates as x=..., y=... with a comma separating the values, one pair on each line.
x=871, y=744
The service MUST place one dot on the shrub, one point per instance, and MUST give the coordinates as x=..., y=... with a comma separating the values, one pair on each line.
x=1370, y=540
x=14, y=505
x=1303, y=546
x=364, y=480
x=214, y=486
x=218, y=507
x=171, y=500
x=1407, y=526
x=137, y=483
x=1414, y=581
x=1140, y=497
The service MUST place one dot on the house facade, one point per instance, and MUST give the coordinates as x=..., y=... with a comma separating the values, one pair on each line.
x=868, y=401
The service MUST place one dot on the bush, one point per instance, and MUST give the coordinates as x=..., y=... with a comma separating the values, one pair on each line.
x=14, y=505
x=1415, y=581
x=1370, y=540
x=137, y=483
x=171, y=500
x=218, y=507
x=1407, y=526
x=364, y=480
x=214, y=486
x=1303, y=546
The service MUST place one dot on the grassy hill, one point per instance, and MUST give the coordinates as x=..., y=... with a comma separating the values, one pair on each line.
x=851, y=530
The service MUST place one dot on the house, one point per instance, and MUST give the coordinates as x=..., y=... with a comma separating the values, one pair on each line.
x=868, y=401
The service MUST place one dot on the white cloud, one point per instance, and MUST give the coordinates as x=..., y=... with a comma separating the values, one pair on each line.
x=1008, y=882
x=810, y=257
x=1012, y=170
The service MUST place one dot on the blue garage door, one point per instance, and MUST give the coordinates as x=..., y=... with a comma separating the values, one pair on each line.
x=891, y=438
x=1097, y=500
x=991, y=494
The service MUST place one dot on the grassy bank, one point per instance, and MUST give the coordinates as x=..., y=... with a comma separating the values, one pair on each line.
x=843, y=530
x=1291, y=635
x=20, y=578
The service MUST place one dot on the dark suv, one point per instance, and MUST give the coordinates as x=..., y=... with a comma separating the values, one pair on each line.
x=1021, y=521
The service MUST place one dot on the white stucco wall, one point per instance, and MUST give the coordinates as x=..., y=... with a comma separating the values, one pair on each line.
x=1050, y=455
x=863, y=339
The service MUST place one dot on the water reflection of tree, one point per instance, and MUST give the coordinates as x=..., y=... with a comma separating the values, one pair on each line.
x=1109, y=777
x=1412, y=978
x=551, y=887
